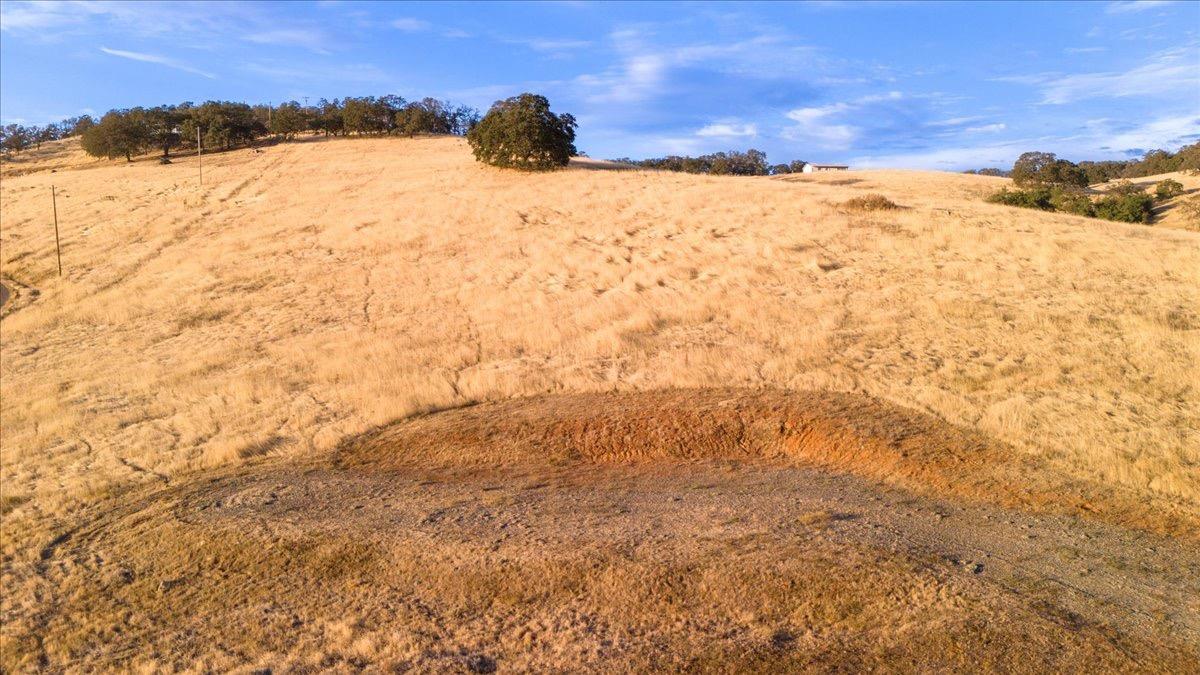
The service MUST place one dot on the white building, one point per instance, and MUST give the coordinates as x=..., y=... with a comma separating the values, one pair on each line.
x=813, y=168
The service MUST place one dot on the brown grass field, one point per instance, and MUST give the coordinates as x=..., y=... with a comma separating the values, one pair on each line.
x=364, y=404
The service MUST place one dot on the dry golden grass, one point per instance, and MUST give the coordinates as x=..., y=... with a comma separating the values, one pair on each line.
x=228, y=346
x=319, y=289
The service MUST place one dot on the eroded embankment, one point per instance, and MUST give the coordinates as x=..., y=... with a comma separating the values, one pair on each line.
x=852, y=433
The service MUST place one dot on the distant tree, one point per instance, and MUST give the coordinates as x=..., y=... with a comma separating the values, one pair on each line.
x=328, y=118
x=162, y=127
x=428, y=116
x=34, y=132
x=1189, y=158
x=522, y=133
x=990, y=172
x=797, y=166
x=1152, y=163
x=370, y=115
x=120, y=133
x=1028, y=167
x=1102, y=172
x=1044, y=168
x=780, y=169
x=50, y=132
x=222, y=124
x=463, y=119
x=16, y=138
x=289, y=119
x=74, y=126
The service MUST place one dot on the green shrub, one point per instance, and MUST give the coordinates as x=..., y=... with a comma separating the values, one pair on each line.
x=1031, y=198
x=1072, y=201
x=1165, y=189
x=1126, y=207
x=521, y=133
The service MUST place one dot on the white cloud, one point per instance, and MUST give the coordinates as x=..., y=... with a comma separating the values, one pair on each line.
x=411, y=25
x=301, y=37
x=1134, y=6
x=814, y=126
x=1168, y=73
x=646, y=62
x=548, y=45
x=811, y=127
x=727, y=130
x=954, y=121
x=637, y=78
x=1100, y=140
x=31, y=16
x=160, y=60
x=1165, y=132
x=987, y=128
x=455, y=33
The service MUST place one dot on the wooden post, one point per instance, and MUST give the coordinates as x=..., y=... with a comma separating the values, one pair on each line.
x=199, y=155
x=57, y=246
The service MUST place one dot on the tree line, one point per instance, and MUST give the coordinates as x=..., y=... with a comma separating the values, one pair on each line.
x=229, y=124
x=17, y=137
x=1044, y=181
x=733, y=163
x=1152, y=163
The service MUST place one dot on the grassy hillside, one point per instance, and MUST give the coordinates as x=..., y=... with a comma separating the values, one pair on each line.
x=317, y=289
x=675, y=422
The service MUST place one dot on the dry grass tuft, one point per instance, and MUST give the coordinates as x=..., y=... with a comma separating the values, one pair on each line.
x=870, y=202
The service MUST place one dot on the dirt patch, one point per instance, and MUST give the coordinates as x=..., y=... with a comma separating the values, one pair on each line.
x=680, y=566
x=682, y=530
x=852, y=433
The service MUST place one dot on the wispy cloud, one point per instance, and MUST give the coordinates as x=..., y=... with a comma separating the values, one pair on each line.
x=359, y=73
x=1099, y=138
x=299, y=37
x=1083, y=50
x=638, y=77
x=33, y=16
x=1168, y=73
x=160, y=60
x=986, y=128
x=816, y=125
x=411, y=25
x=727, y=130
x=1128, y=6
x=550, y=44
x=954, y=121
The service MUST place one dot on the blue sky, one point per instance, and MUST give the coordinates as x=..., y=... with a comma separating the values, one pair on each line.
x=922, y=85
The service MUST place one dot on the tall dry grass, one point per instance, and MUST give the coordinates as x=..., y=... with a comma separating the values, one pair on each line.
x=321, y=288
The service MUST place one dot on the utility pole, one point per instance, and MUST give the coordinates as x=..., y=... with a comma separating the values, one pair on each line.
x=57, y=245
x=199, y=155
x=270, y=107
